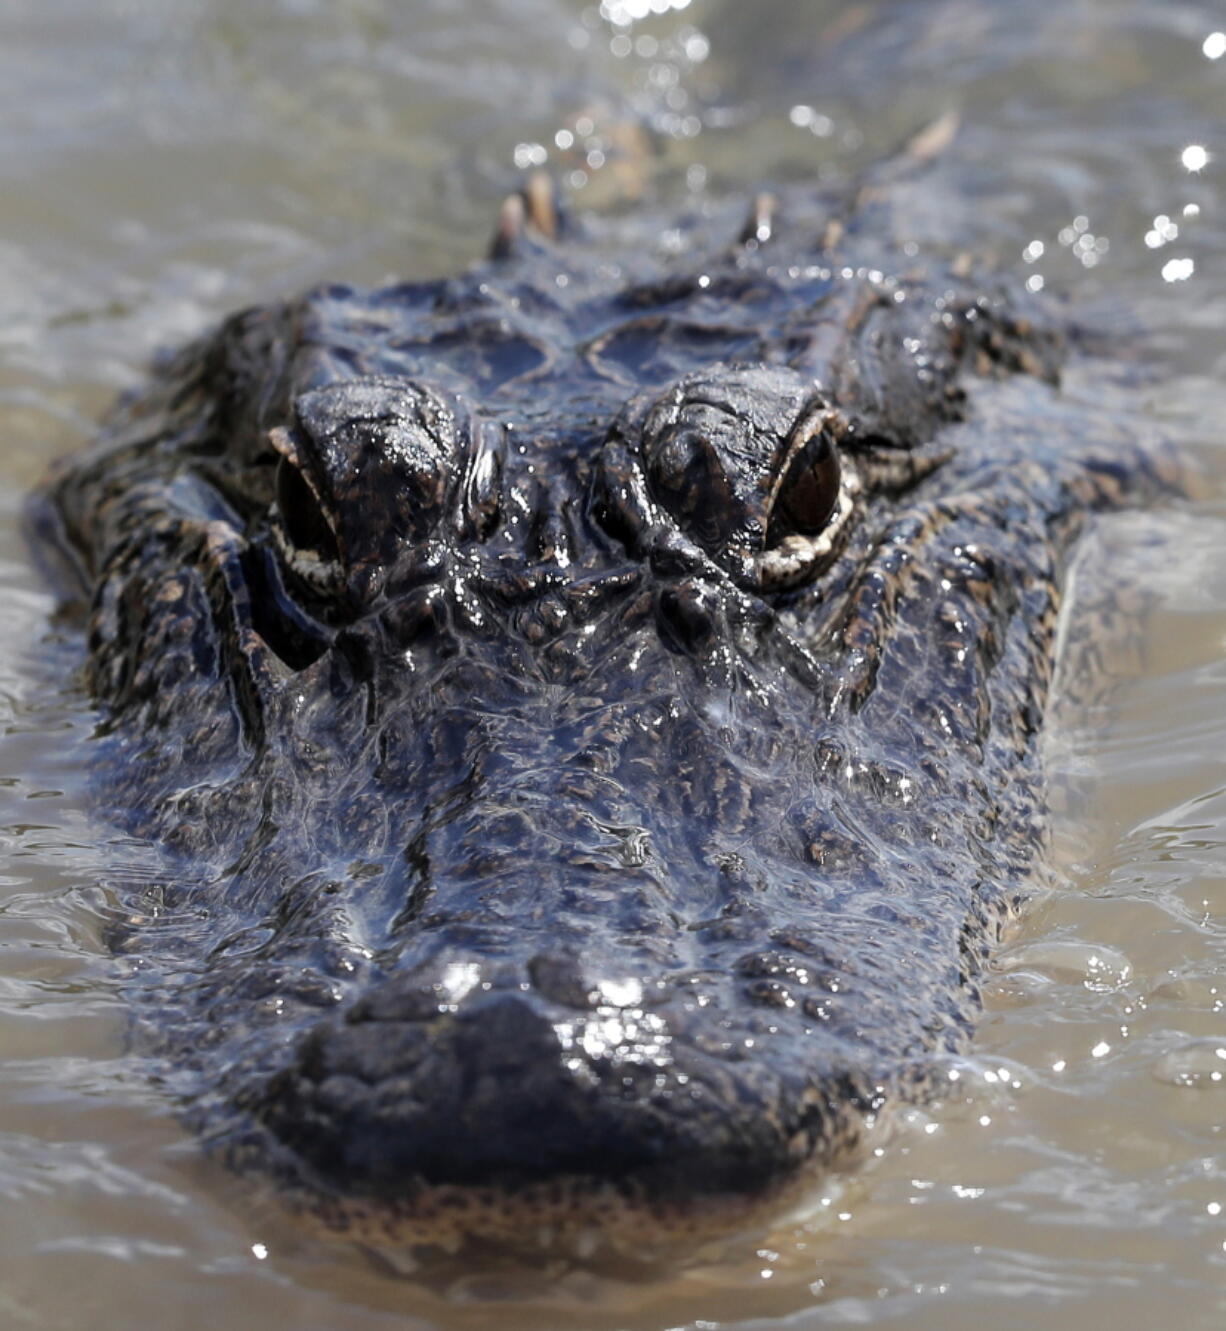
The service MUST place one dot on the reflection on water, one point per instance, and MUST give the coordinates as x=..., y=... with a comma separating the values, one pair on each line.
x=164, y=160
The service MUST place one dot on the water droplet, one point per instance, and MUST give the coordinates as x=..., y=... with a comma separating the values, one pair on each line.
x=1198, y=1065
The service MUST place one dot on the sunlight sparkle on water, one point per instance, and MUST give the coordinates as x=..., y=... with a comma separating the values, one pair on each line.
x=624, y=12
x=1194, y=157
x=1214, y=45
x=1162, y=231
x=458, y=980
x=530, y=154
x=807, y=117
x=621, y=993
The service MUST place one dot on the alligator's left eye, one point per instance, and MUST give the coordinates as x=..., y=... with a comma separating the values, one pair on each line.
x=807, y=493
x=745, y=459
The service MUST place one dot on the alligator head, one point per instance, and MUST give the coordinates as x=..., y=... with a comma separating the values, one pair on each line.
x=590, y=707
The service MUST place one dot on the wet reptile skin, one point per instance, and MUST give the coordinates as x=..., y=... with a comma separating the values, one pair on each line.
x=590, y=707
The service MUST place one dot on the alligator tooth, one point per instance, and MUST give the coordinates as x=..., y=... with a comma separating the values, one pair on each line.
x=542, y=203
x=400, y=1261
x=510, y=229
x=760, y=224
x=451, y=1241
x=534, y=207
x=586, y=1243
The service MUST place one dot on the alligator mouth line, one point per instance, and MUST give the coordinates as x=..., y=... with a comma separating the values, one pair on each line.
x=583, y=1217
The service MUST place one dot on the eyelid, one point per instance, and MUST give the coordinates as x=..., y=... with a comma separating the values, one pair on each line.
x=799, y=557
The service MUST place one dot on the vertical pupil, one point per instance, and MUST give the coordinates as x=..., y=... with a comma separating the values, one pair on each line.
x=304, y=522
x=810, y=490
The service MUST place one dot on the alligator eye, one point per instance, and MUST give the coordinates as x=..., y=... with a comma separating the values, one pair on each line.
x=304, y=521
x=689, y=478
x=741, y=458
x=808, y=490
x=745, y=460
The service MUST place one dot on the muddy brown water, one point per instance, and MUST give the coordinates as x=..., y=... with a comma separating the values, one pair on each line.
x=163, y=161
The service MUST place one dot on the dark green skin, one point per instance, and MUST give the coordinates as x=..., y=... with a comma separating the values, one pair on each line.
x=590, y=706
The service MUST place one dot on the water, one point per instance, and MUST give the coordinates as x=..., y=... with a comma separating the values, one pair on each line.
x=163, y=161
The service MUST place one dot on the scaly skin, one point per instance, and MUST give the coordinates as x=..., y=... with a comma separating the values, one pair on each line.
x=590, y=706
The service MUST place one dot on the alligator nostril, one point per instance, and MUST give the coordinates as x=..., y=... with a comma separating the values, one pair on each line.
x=383, y=1098
x=686, y=614
x=413, y=1003
x=560, y=979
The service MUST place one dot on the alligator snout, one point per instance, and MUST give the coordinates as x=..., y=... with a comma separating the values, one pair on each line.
x=509, y=1088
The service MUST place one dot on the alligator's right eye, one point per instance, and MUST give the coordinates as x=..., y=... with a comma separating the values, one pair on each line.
x=302, y=516
x=302, y=530
x=367, y=470
x=385, y=453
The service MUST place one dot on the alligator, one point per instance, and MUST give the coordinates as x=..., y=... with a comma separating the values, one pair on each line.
x=590, y=708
